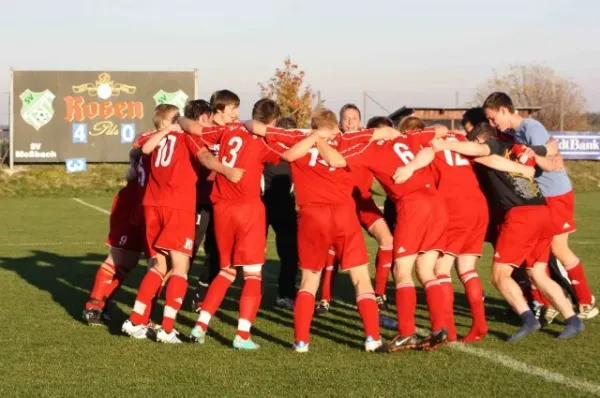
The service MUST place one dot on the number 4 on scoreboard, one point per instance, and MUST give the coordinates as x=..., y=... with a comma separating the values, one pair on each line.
x=80, y=133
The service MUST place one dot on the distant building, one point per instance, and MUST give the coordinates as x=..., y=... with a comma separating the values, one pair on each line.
x=450, y=117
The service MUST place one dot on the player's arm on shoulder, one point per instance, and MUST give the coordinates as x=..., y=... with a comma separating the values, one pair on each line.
x=422, y=159
x=190, y=126
x=470, y=148
x=153, y=141
x=301, y=147
x=552, y=146
x=256, y=127
x=385, y=133
x=500, y=163
x=330, y=155
x=207, y=160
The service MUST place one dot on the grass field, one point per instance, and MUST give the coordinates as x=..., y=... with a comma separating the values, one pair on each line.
x=50, y=249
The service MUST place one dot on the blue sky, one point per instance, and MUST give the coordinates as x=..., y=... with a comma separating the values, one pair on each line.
x=403, y=53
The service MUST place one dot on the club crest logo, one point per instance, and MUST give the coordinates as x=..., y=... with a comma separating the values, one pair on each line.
x=37, y=108
x=177, y=98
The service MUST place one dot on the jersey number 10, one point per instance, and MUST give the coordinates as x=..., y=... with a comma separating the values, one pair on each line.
x=166, y=148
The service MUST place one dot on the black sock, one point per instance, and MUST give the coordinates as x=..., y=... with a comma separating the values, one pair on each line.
x=527, y=317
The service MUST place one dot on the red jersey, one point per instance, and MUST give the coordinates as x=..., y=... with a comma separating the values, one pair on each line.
x=242, y=149
x=453, y=172
x=362, y=176
x=314, y=181
x=382, y=158
x=173, y=176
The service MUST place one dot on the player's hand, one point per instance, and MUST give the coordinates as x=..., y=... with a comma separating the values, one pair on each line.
x=234, y=174
x=529, y=173
x=558, y=162
x=437, y=145
x=402, y=174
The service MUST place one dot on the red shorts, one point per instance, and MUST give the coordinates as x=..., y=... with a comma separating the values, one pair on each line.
x=367, y=211
x=126, y=226
x=240, y=230
x=467, y=226
x=324, y=227
x=525, y=236
x=562, y=210
x=421, y=219
x=169, y=230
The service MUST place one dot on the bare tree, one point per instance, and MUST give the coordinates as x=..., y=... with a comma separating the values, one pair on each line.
x=538, y=85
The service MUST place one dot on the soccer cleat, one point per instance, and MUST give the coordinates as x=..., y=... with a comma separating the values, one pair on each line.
x=400, y=343
x=322, y=307
x=93, y=317
x=135, y=331
x=434, y=340
x=198, y=335
x=285, y=303
x=382, y=302
x=300, y=346
x=525, y=330
x=168, y=338
x=550, y=314
x=588, y=311
x=241, y=344
x=539, y=310
x=372, y=345
x=574, y=327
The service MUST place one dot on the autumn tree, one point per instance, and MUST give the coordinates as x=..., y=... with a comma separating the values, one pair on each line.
x=538, y=85
x=286, y=87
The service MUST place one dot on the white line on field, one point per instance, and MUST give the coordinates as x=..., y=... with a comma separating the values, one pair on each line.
x=513, y=364
x=100, y=209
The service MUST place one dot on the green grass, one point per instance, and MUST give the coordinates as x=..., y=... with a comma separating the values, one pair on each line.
x=50, y=249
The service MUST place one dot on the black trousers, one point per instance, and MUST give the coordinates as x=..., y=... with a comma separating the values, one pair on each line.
x=389, y=214
x=205, y=230
x=283, y=218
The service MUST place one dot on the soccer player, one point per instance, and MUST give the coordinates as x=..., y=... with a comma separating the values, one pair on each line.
x=240, y=220
x=525, y=233
x=467, y=208
x=169, y=203
x=126, y=240
x=421, y=221
x=369, y=215
x=326, y=218
x=556, y=188
x=280, y=204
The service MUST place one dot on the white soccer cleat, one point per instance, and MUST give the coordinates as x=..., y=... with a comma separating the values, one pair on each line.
x=136, y=331
x=588, y=311
x=300, y=346
x=372, y=344
x=168, y=338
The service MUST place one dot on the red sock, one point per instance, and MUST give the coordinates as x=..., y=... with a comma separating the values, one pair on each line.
x=214, y=296
x=143, y=302
x=303, y=314
x=580, y=284
x=176, y=289
x=249, y=304
x=369, y=312
x=474, y=292
x=435, y=303
x=383, y=265
x=406, y=305
x=104, y=278
x=120, y=276
x=446, y=283
x=328, y=277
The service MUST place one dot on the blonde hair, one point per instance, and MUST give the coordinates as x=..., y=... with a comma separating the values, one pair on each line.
x=323, y=118
x=411, y=123
x=161, y=112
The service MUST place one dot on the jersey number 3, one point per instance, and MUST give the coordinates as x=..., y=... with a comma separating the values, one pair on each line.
x=234, y=145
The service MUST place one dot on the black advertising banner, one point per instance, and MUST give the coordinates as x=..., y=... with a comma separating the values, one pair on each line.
x=89, y=116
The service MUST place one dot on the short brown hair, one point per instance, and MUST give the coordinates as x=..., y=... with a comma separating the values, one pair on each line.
x=349, y=106
x=220, y=99
x=411, y=123
x=196, y=108
x=161, y=112
x=499, y=100
x=474, y=116
x=323, y=118
x=287, y=123
x=482, y=130
x=379, y=121
x=265, y=110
